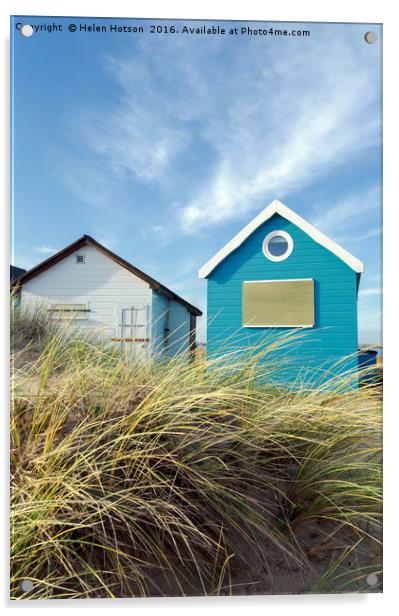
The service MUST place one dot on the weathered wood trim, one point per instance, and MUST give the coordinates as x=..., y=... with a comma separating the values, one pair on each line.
x=130, y=339
x=192, y=336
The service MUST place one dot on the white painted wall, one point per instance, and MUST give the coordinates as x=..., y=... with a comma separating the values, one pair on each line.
x=102, y=284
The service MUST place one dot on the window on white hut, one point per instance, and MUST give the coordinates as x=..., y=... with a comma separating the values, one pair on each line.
x=133, y=325
x=68, y=311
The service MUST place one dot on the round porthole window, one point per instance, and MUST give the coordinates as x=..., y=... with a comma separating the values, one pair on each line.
x=277, y=245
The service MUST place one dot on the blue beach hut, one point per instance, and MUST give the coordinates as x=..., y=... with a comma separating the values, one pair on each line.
x=280, y=274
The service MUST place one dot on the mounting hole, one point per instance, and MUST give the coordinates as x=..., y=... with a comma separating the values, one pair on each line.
x=26, y=30
x=372, y=579
x=370, y=37
x=26, y=585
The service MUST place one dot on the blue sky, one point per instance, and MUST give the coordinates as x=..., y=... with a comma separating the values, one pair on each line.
x=163, y=146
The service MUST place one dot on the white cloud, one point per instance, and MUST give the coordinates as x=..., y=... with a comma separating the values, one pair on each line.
x=271, y=120
x=333, y=217
x=155, y=233
x=286, y=132
x=20, y=260
x=139, y=135
x=45, y=250
x=88, y=182
x=375, y=232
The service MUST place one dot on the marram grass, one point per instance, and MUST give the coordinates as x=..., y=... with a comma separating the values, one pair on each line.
x=139, y=478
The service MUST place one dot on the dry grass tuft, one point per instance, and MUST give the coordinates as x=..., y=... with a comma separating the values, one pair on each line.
x=138, y=478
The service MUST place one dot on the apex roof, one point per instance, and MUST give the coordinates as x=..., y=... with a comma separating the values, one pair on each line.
x=86, y=240
x=276, y=207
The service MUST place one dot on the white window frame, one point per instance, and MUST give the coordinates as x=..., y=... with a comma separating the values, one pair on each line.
x=133, y=326
x=270, y=236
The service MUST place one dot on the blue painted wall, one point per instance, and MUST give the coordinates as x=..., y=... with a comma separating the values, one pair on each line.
x=159, y=320
x=174, y=316
x=335, y=333
x=179, y=325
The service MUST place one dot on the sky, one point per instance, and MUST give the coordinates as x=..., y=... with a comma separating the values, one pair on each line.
x=162, y=146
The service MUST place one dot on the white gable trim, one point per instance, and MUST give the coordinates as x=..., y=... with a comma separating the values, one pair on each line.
x=276, y=207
